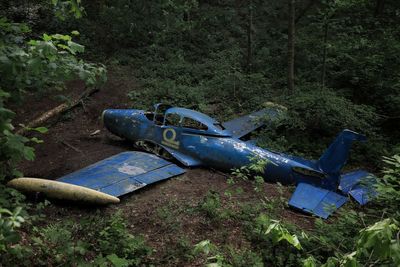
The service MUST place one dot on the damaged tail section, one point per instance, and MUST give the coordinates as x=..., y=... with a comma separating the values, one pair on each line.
x=335, y=157
x=359, y=184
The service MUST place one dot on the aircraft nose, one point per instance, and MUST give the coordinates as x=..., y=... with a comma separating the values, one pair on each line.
x=107, y=116
x=102, y=115
x=112, y=119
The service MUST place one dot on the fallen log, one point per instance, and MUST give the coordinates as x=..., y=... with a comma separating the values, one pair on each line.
x=54, y=112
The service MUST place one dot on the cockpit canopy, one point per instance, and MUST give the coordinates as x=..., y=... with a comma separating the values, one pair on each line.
x=189, y=120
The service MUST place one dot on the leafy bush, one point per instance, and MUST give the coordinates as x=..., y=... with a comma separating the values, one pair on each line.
x=115, y=239
x=9, y=222
x=211, y=206
x=266, y=235
x=389, y=187
x=215, y=257
x=377, y=244
x=216, y=85
x=56, y=244
x=92, y=240
x=35, y=65
x=313, y=120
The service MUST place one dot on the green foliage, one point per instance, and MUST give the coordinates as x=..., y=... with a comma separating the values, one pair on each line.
x=212, y=208
x=278, y=233
x=389, y=187
x=234, y=258
x=114, y=239
x=72, y=7
x=35, y=65
x=267, y=236
x=9, y=222
x=254, y=170
x=91, y=239
x=326, y=113
x=379, y=242
x=23, y=64
x=56, y=242
x=204, y=85
x=321, y=116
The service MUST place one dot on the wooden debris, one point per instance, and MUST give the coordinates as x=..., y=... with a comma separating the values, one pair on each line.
x=55, y=112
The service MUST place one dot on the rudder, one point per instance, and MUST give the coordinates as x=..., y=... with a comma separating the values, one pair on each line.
x=335, y=157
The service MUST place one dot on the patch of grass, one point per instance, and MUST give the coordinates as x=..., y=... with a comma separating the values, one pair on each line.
x=168, y=216
x=212, y=207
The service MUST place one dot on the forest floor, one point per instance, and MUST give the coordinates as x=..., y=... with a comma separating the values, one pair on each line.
x=164, y=212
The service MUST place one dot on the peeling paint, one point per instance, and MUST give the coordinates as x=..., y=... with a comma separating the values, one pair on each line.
x=203, y=139
x=131, y=170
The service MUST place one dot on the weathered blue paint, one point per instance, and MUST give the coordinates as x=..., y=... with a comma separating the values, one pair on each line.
x=322, y=203
x=244, y=125
x=360, y=185
x=219, y=148
x=123, y=173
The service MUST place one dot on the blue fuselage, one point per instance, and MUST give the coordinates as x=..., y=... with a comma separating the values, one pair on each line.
x=219, y=151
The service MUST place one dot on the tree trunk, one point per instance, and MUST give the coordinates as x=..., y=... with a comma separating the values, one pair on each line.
x=304, y=10
x=324, y=55
x=291, y=32
x=249, y=35
x=380, y=4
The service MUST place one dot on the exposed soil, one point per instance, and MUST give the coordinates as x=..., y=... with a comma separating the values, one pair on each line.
x=69, y=146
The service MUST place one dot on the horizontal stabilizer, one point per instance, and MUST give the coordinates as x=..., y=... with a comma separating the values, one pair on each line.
x=315, y=200
x=360, y=185
x=123, y=173
x=246, y=124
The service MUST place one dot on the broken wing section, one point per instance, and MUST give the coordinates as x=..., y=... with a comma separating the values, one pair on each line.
x=360, y=185
x=246, y=124
x=123, y=173
x=315, y=200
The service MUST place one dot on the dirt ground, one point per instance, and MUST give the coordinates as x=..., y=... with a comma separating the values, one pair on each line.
x=69, y=146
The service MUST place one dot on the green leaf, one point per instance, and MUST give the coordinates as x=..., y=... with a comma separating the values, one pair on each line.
x=62, y=37
x=117, y=261
x=46, y=37
x=29, y=153
x=75, y=47
x=310, y=262
x=36, y=140
x=76, y=33
x=4, y=94
x=41, y=130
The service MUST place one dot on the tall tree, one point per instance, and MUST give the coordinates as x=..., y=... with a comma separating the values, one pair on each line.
x=324, y=54
x=291, y=33
x=249, y=34
x=380, y=4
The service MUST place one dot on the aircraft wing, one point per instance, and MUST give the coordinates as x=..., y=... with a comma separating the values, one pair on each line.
x=123, y=173
x=246, y=124
x=316, y=200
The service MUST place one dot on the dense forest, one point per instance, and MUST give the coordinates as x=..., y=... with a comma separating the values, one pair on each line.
x=328, y=64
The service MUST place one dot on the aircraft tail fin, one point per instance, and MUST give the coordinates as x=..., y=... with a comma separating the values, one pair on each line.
x=335, y=157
